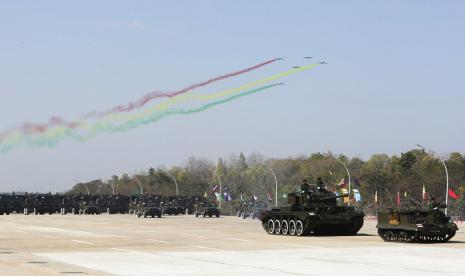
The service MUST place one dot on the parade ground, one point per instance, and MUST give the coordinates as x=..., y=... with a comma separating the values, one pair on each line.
x=185, y=245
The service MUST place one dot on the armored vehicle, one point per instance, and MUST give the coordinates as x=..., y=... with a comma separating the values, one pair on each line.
x=207, y=209
x=172, y=208
x=415, y=225
x=314, y=211
x=45, y=203
x=115, y=204
x=5, y=204
x=254, y=210
x=149, y=209
x=89, y=207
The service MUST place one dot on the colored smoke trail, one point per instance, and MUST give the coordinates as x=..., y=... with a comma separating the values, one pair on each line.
x=170, y=102
x=32, y=128
x=54, y=136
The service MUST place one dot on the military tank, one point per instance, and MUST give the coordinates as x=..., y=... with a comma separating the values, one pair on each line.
x=416, y=225
x=312, y=212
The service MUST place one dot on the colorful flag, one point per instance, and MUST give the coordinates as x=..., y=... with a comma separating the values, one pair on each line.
x=218, y=196
x=376, y=196
x=452, y=194
x=226, y=196
x=357, y=195
x=343, y=183
x=216, y=188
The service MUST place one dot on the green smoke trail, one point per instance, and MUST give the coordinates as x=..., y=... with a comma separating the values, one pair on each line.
x=53, y=137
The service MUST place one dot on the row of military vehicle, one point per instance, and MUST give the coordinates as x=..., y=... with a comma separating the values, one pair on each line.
x=315, y=211
x=94, y=204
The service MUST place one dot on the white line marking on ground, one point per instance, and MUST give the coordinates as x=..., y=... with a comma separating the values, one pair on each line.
x=205, y=247
x=47, y=236
x=125, y=250
x=305, y=246
x=157, y=241
x=233, y=239
x=83, y=242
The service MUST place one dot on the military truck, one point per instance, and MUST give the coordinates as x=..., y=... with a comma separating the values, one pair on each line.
x=253, y=210
x=315, y=211
x=415, y=225
x=207, y=209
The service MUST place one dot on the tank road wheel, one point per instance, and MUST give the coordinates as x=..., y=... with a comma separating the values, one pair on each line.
x=450, y=235
x=406, y=236
x=251, y=216
x=389, y=236
x=242, y=215
x=277, y=227
x=284, y=227
x=292, y=227
x=270, y=226
x=299, y=228
x=403, y=236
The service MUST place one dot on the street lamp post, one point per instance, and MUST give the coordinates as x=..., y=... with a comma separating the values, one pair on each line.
x=140, y=185
x=447, y=179
x=174, y=180
x=276, y=187
x=219, y=199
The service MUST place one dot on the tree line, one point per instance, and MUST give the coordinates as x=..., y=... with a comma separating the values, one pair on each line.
x=381, y=180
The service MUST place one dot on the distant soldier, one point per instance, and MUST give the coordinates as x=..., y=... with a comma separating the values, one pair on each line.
x=305, y=187
x=432, y=204
x=320, y=184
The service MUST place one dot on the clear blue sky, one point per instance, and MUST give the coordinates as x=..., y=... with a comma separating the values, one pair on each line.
x=394, y=78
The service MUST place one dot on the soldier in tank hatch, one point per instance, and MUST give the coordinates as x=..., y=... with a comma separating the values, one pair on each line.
x=304, y=187
x=320, y=185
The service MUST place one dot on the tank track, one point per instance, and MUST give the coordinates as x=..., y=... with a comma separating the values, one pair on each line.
x=291, y=225
x=389, y=235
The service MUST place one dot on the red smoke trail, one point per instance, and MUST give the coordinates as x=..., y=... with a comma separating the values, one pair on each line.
x=31, y=128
